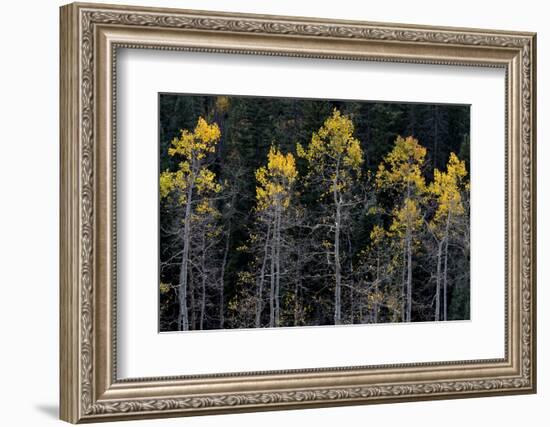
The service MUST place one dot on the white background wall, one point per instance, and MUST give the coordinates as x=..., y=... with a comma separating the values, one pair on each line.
x=29, y=170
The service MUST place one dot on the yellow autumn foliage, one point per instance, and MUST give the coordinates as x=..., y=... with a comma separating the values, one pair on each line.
x=402, y=166
x=164, y=287
x=275, y=180
x=192, y=147
x=333, y=143
x=377, y=234
x=166, y=184
x=447, y=186
x=198, y=144
x=407, y=217
x=206, y=181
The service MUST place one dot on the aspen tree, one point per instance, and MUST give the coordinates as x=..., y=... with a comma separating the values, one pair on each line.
x=446, y=189
x=334, y=159
x=190, y=184
x=274, y=188
x=401, y=172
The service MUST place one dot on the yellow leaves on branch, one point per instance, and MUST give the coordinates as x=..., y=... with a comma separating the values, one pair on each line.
x=198, y=144
x=333, y=145
x=334, y=154
x=275, y=180
x=192, y=147
x=206, y=181
x=408, y=217
x=166, y=184
x=402, y=166
x=402, y=169
x=447, y=187
x=175, y=182
x=377, y=235
x=204, y=207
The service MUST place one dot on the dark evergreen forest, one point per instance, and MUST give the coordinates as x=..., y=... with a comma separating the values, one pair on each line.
x=262, y=224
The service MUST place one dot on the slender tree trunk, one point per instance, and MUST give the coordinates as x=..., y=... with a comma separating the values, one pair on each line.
x=272, y=279
x=352, y=302
x=409, y=262
x=337, y=266
x=362, y=301
x=222, y=277
x=227, y=241
x=438, y=282
x=278, y=268
x=337, y=271
x=259, y=296
x=351, y=305
x=409, y=277
x=404, y=283
x=445, y=265
x=297, y=285
x=192, y=305
x=376, y=286
x=203, y=303
x=203, y=282
x=184, y=274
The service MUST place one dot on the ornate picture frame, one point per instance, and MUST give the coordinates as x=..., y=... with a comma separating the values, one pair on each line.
x=90, y=37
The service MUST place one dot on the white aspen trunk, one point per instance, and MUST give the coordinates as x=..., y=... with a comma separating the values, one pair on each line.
x=362, y=303
x=296, y=301
x=183, y=318
x=222, y=278
x=337, y=266
x=203, y=281
x=259, y=296
x=203, y=302
x=445, y=265
x=278, y=267
x=352, y=302
x=192, y=305
x=337, y=271
x=438, y=282
x=404, y=283
x=272, y=281
x=376, y=286
x=409, y=263
x=409, y=277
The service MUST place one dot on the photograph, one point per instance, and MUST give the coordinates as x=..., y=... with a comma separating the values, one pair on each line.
x=287, y=212
x=268, y=210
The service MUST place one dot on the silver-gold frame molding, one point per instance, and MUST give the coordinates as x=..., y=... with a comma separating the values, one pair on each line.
x=90, y=36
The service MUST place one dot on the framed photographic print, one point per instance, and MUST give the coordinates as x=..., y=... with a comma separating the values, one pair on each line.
x=265, y=212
